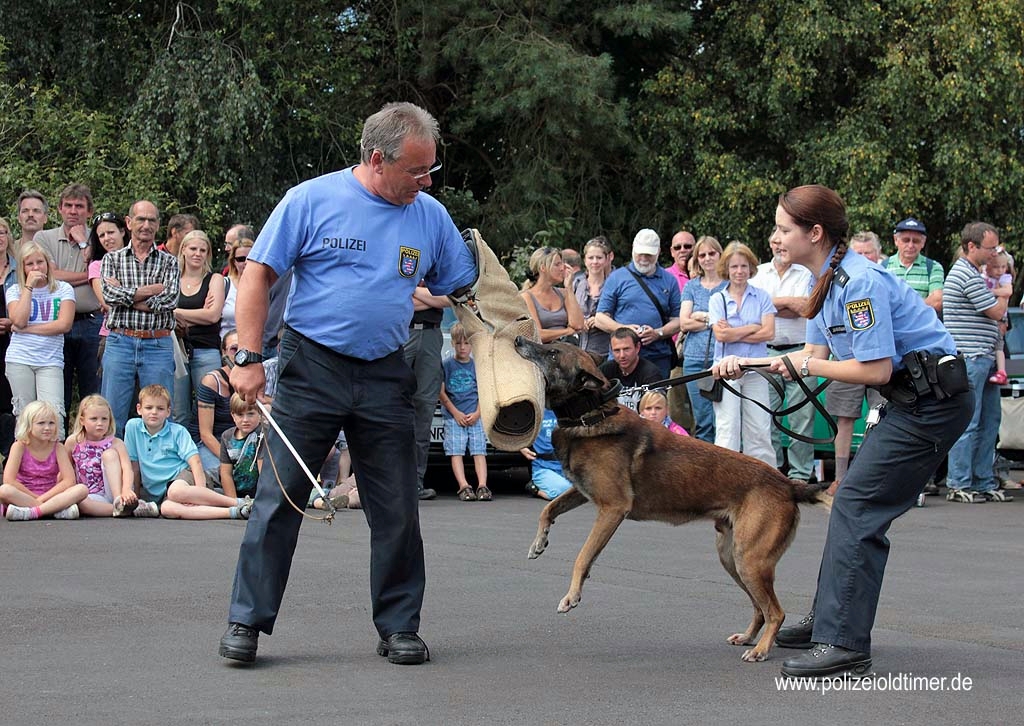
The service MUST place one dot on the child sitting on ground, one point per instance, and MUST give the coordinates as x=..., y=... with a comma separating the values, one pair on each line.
x=101, y=463
x=999, y=280
x=38, y=478
x=462, y=425
x=241, y=455
x=547, y=480
x=167, y=466
x=653, y=406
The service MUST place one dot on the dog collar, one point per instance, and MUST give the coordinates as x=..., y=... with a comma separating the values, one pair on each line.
x=588, y=408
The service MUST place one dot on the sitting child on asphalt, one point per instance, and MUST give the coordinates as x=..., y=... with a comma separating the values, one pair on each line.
x=167, y=466
x=241, y=454
x=547, y=480
x=462, y=425
x=653, y=406
x=101, y=463
x=39, y=480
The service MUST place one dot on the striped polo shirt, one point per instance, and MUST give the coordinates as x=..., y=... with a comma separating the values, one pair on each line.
x=924, y=275
x=965, y=298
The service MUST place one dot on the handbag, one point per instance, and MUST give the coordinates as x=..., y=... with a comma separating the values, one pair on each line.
x=673, y=361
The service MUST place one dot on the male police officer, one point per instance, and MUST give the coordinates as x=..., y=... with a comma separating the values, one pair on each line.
x=358, y=241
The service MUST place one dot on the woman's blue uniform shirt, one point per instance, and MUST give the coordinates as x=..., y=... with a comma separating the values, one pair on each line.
x=875, y=315
x=357, y=259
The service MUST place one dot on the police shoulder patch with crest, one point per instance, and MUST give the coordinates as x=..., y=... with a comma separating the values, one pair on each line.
x=860, y=314
x=408, y=261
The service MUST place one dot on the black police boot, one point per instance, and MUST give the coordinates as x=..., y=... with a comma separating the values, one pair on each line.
x=797, y=636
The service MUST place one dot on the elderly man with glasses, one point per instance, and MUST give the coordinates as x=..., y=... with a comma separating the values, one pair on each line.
x=923, y=274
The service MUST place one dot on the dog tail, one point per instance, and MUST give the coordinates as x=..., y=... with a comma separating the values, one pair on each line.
x=812, y=494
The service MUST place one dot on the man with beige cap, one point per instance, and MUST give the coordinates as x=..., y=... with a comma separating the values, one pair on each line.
x=644, y=297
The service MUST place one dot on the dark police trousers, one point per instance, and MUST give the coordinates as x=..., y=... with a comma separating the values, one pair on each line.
x=890, y=470
x=320, y=391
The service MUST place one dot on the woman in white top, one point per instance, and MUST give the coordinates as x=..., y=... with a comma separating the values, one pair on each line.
x=42, y=310
x=237, y=256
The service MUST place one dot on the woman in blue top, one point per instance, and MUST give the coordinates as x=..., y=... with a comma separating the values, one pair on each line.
x=742, y=319
x=694, y=321
x=874, y=325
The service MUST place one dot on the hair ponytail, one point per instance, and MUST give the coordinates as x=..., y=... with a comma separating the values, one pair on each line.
x=817, y=298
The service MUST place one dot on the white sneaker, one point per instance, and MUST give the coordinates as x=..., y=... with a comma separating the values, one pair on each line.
x=69, y=513
x=124, y=510
x=18, y=514
x=146, y=509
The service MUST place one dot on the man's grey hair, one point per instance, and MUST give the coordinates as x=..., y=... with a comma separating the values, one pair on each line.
x=389, y=127
x=869, y=237
x=33, y=194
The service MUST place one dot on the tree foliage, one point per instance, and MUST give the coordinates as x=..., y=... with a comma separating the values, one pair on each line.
x=560, y=119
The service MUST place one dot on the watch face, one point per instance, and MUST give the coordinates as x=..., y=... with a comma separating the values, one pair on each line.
x=241, y=357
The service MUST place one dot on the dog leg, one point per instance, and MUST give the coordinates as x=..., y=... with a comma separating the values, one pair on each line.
x=567, y=501
x=759, y=545
x=608, y=520
x=724, y=543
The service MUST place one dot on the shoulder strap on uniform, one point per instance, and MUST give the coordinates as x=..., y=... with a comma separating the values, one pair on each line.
x=841, y=277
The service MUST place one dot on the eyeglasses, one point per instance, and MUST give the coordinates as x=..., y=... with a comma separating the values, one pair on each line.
x=989, y=249
x=711, y=253
x=436, y=167
x=676, y=248
x=240, y=258
x=108, y=217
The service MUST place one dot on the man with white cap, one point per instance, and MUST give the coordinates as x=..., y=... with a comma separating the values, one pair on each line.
x=923, y=274
x=644, y=297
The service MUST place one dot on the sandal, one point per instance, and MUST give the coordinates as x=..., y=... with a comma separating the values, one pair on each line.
x=483, y=494
x=466, y=494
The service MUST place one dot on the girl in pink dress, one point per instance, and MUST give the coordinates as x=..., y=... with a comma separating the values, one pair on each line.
x=38, y=477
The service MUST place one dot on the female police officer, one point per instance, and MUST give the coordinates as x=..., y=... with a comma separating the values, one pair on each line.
x=880, y=333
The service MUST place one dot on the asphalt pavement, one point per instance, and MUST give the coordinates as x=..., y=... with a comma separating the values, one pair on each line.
x=117, y=622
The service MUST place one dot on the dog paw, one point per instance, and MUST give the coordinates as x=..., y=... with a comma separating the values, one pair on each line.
x=537, y=548
x=568, y=603
x=753, y=656
x=738, y=639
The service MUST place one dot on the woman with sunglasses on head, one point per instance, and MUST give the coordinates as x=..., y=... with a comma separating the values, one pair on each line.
x=597, y=258
x=108, y=233
x=237, y=256
x=694, y=320
x=879, y=332
x=556, y=314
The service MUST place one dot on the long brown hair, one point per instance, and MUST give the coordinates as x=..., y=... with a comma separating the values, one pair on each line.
x=812, y=205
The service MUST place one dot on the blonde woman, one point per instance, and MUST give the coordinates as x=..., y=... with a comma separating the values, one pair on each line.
x=42, y=310
x=597, y=258
x=200, y=305
x=555, y=313
x=238, y=253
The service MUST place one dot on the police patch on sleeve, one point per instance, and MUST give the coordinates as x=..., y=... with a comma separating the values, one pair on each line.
x=861, y=314
x=408, y=261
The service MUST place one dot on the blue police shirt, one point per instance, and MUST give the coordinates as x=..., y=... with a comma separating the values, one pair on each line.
x=357, y=259
x=875, y=315
x=624, y=300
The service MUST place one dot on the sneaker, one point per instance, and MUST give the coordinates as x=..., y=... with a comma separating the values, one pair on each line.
x=920, y=499
x=15, y=513
x=962, y=496
x=996, y=496
x=998, y=378
x=239, y=643
x=246, y=509
x=427, y=493
x=68, y=513
x=146, y=509
x=124, y=510
x=931, y=488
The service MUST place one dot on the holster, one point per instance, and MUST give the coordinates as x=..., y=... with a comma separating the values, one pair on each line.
x=924, y=374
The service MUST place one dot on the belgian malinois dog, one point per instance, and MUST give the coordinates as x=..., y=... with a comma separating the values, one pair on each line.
x=631, y=468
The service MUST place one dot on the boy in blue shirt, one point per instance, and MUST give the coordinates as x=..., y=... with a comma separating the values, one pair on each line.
x=462, y=426
x=167, y=466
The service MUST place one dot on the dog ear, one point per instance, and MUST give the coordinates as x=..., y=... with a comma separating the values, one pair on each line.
x=590, y=382
x=598, y=359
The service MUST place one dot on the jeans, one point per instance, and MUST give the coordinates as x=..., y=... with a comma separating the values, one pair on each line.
x=703, y=409
x=124, y=359
x=972, y=458
x=801, y=421
x=202, y=361
x=37, y=383
x=81, y=356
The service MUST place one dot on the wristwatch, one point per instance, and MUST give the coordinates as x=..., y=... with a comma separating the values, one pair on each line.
x=244, y=357
x=803, y=367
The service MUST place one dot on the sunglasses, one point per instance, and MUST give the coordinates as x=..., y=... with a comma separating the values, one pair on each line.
x=107, y=217
x=676, y=248
x=240, y=258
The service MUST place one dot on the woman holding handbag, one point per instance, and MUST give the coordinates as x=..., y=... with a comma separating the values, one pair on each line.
x=695, y=322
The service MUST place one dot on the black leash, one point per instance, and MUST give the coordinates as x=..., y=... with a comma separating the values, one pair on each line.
x=811, y=396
